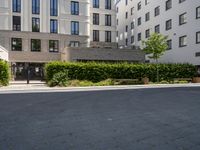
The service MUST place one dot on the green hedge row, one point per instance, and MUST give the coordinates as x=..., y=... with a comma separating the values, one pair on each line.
x=4, y=73
x=100, y=71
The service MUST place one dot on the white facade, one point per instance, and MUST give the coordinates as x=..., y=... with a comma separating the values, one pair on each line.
x=64, y=18
x=189, y=53
x=3, y=54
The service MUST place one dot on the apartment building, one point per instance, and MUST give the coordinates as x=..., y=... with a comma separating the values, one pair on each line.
x=178, y=19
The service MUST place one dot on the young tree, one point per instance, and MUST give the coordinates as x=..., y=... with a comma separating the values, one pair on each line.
x=155, y=46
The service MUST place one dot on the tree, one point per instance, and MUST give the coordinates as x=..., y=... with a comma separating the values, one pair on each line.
x=155, y=46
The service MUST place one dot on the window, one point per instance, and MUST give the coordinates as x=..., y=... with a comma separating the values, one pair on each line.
x=198, y=12
x=16, y=6
x=16, y=23
x=53, y=45
x=53, y=26
x=74, y=44
x=139, y=36
x=147, y=16
x=126, y=15
x=198, y=37
x=35, y=6
x=126, y=42
x=139, y=21
x=16, y=44
x=74, y=8
x=182, y=19
x=35, y=45
x=157, y=29
x=107, y=36
x=75, y=28
x=139, y=5
x=126, y=28
x=183, y=41
x=117, y=22
x=108, y=20
x=107, y=4
x=168, y=24
x=95, y=3
x=147, y=2
x=168, y=4
x=117, y=9
x=96, y=35
x=132, y=9
x=180, y=1
x=54, y=7
x=126, y=2
x=95, y=18
x=132, y=39
x=147, y=33
x=197, y=54
x=35, y=25
x=169, y=44
x=157, y=11
x=132, y=25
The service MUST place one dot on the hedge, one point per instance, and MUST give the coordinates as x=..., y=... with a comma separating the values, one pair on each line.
x=96, y=72
x=4, y=73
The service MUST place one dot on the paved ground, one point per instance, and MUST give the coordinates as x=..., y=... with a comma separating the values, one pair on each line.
x=140, y=119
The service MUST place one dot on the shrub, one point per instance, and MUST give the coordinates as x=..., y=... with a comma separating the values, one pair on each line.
x=97, y=72
x=4, y=73
x=59, y=79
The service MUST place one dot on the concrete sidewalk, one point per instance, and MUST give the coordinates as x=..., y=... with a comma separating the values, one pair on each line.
x=38, y=87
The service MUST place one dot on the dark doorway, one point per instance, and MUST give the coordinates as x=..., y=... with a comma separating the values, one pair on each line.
x=20, y=71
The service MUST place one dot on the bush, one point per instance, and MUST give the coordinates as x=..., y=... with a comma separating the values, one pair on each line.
x=96, y=72
x=4, y=73
x=59, y=79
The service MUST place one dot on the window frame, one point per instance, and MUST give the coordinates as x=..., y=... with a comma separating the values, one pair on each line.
x=166, y=23
x=36, y=7
x=12, y=45
x=197, y=40
x=185, y=21
x=54, y=28
x=197, y=9
x=35, y=50
x=180, y=44
x=35, y=19
x=74, y=25
x=95, y=35
x=74, y=8
x=54, y=48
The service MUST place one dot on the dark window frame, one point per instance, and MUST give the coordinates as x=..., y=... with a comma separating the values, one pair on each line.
x=74, y=28
x=16, y=24
x=182, y=23
x=74, y=8
x=180, y=44
x=95, y=18
x=166, y=25
x=36, y=7
x=32, y=48
x=53, y=26
x=169, y=44
x=16, y=46
x=96, y=35
x=197, y=40
x=53, y=7
x=53, y=46
x=197, y=17
x=16, y=6
x=108, y=20
x=34, y=29
x=108, y=36
x=167, y=6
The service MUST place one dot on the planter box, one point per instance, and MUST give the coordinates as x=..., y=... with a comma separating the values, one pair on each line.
x=196, y=80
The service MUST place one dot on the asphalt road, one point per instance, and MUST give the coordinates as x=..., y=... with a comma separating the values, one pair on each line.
x=143, y=119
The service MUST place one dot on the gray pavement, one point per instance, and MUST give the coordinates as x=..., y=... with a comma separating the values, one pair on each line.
x=134, y=119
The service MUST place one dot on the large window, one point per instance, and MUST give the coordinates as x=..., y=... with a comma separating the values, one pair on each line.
x=108, y=20
x=95, y=3
x=54, y=7
x=107, y=4
x=53, y=46
x=198, y=12
x=168, y=24
x=16, y=5
x=139, y=37
x=157, y=28
x=157, y=11
x=169, y=44
x=139, y=6
x=16, y=23
x=35, y=6
x=147, y=33
x=168, y=4
x=95, y=18
x=16, y=44
x=139, y=21
x=53, y=26
x=74, y=8
x=183, y=41
x=35, y=25
x=132, y=25
x=35, y=45
x=108, y=36
x=75, y=28
x=147, y=16
x=198, y=37
x=182, y=19
x=96, y=35
x=132, y=39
